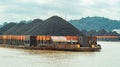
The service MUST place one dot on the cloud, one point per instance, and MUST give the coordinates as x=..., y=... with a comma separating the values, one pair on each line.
x=16, y=10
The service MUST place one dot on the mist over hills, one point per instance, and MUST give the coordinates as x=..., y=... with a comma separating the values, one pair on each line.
x=96, y=23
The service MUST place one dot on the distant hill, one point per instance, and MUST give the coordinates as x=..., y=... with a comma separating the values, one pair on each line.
x=96, y=23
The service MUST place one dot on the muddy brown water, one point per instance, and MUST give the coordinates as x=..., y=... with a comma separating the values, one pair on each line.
x=109, y=56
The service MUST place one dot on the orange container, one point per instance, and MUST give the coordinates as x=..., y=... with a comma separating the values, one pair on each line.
x=23, y=37
x=75, y=38
x=4, y=37
x=0, y=37
x=47, y=37
x=37, y=38
x=20, y=38
x=8, y=37
x=16, y=37
x=43, y=37
x=40, y=37
x=68, y=37
x=71, y=37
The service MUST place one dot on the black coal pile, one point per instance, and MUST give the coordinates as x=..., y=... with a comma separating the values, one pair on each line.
x=27, y=27
x=13, y=29
x=55, y=26
x=34, y=25
x=6, y=27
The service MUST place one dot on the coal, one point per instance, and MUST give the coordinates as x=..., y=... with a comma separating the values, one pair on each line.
x=27, y=27
x=55, y=26
x=33, y=27
x=13, y=29
x=7, y=27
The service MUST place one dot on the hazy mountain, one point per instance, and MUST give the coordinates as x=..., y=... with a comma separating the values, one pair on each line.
x=96, y=23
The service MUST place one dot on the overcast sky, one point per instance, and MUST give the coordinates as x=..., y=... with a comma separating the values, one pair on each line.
x=16, y=10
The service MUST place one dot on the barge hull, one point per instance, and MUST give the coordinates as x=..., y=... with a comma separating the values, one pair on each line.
x=52, y=48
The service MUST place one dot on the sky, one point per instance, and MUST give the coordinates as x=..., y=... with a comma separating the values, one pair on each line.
x=17, y=10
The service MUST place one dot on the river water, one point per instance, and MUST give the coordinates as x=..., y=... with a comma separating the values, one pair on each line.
x=109, y=56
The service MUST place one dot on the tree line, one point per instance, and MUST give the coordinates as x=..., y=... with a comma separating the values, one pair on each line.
x=101, y=32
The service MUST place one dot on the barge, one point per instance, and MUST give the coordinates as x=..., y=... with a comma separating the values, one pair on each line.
x=108, y=38
x=41, y=42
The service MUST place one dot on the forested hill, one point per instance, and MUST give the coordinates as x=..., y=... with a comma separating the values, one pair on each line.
x=96, y=23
